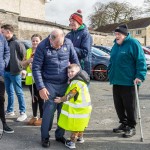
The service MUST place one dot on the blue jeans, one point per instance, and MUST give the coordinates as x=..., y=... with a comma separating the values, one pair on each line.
x=49, y=109
x=13, y=82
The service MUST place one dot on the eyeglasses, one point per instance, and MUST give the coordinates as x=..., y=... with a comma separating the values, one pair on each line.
x=52, y=37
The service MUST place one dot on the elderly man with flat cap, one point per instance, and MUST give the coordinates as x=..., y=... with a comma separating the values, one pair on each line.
x=127, y=67
x=51, y=59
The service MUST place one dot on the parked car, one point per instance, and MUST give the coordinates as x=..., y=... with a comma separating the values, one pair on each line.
x=100, y=62
x=147, y=60
x=147, y=56
x=106, y=49
x=146, y=50
x=148, y=47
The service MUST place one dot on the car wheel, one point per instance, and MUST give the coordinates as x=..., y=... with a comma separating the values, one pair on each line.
x=100, y=73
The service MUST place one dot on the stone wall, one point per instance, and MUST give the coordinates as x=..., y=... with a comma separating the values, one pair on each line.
x=25, y=8
x=26, y=27
x=9, y=18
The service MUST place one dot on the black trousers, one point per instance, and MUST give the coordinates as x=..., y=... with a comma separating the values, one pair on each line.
x=2, y=100
x=37, y=101
x=125, y=104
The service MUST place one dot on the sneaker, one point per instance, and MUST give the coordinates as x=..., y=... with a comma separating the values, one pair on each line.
x=22, y=117
x=129, y=132
x=70, y=144
x=7, y=129
x=46, y=142
x=9, y=114
x=121, y=128
x=38, y=122
x=32, y=120
x=80, y=140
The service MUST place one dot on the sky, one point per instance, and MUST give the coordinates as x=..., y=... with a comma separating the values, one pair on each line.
x=59, y=11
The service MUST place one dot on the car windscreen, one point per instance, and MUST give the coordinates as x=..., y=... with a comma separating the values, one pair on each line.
x=98, y=52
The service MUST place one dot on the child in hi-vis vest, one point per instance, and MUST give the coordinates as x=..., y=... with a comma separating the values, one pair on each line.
x=76, y=109
x=36, y=99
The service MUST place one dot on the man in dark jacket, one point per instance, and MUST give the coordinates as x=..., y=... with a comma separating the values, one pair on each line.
x=49, y=67
x=4, y=59
x=12, y=74
x=81, y=39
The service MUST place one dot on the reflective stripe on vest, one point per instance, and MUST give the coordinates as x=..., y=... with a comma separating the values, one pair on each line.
x=78, y=105
x=74, y=115
x=81, y=85
x=29, y=74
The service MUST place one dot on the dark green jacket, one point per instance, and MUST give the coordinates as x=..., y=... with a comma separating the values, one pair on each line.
x=127, y=62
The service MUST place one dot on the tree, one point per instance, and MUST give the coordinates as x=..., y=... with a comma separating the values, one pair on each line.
x=112, y=12
x=99, y=17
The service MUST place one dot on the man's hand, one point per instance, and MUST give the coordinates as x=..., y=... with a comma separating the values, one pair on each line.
x=44, y=94
x=137, y=81
x=57, y=100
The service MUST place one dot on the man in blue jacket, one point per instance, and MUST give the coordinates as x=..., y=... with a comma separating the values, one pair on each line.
x=81, y=39
x=4, y=60
x=49, y=67
x=127, y=67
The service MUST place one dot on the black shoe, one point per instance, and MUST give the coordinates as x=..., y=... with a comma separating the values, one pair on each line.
x=7, y=129
x=129, y=132
x=62, y=140
x=121, y=128
x=46, y=142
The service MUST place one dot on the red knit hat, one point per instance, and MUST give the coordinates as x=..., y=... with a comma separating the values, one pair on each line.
x=77, y=16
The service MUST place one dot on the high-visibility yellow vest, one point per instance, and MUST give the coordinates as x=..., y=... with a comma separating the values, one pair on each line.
x=29, y=77
x=75, y=114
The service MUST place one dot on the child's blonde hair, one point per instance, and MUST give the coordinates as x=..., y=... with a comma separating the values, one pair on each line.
x=76, y=66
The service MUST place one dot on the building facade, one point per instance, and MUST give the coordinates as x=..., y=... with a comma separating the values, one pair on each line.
x=139, y=29
x=28, y=18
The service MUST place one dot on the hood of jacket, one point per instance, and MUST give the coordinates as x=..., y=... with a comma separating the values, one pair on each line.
x=82, y=76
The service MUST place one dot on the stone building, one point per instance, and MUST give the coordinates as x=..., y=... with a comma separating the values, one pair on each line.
x=139, y=29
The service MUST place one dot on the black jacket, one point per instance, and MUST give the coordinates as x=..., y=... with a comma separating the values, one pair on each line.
x=82, y=76
x=17, y=52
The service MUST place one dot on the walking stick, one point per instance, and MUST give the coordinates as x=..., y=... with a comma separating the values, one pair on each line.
x=139, y=113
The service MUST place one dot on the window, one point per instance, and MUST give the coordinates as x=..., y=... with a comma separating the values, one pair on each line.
x=138, y=32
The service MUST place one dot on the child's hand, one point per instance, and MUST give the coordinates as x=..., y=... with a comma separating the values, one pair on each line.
x=30, y=65
x=57, y=100
x=30, y=60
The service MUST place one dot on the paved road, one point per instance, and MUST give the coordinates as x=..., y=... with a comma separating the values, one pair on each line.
x=98, y=136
